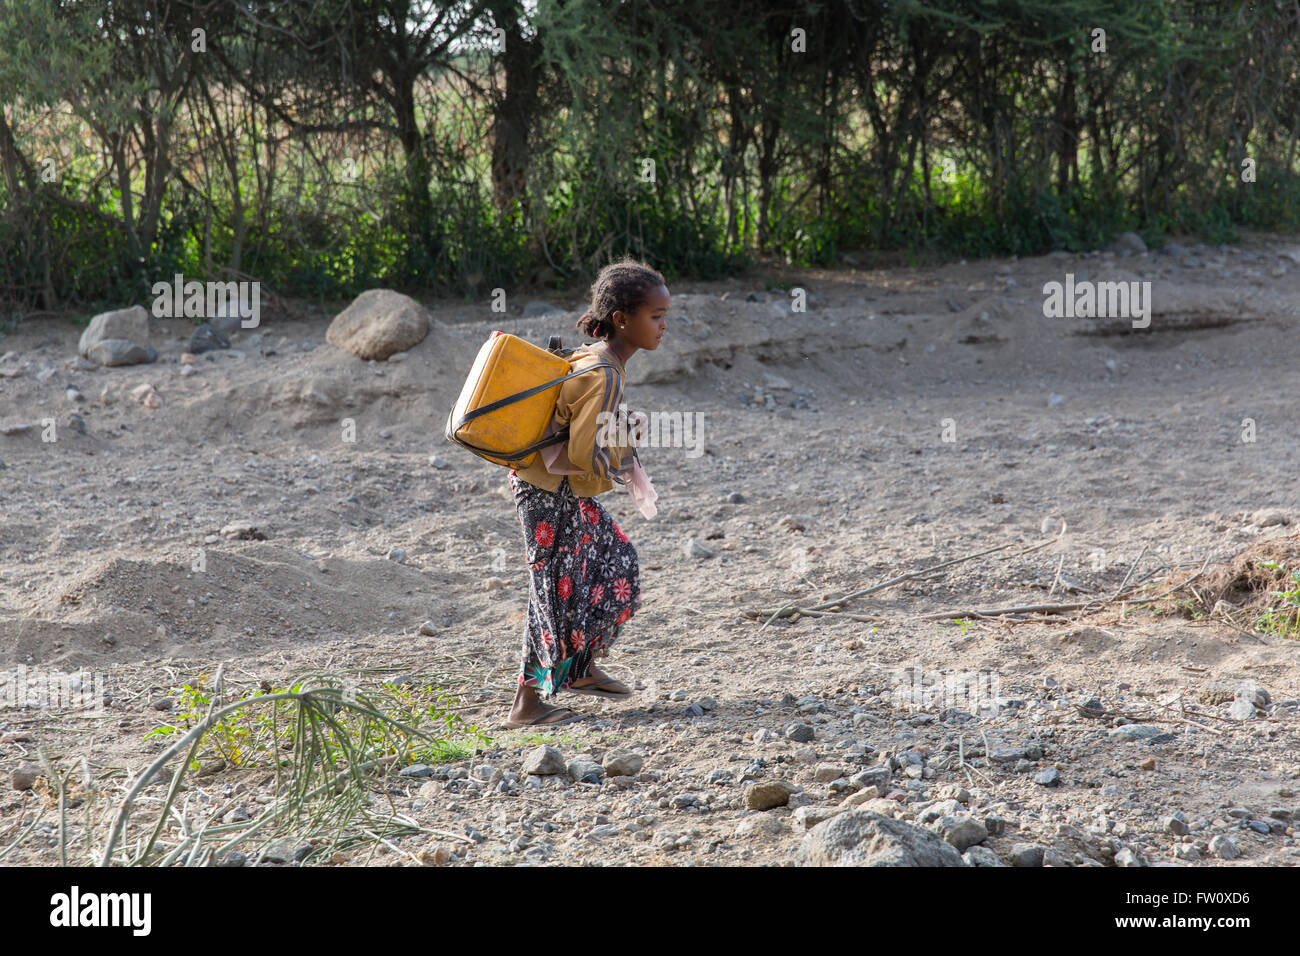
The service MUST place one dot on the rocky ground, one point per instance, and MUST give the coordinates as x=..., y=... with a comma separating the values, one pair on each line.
x=908, y=417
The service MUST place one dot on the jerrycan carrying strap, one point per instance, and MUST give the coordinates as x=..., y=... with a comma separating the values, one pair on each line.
x=553, y=346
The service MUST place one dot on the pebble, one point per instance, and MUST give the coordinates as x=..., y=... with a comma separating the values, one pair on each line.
x=693, y=549
x=961, y=830
x=1176, y=824
x=1224, y=847
x=769, y=794
x=24, y=776
x=544, y=761
x=800, y=733
x=583, y=769
x=1051, y=777
x=806, y=818
x=981, y=856
x=1134, y=732
x=1127, y=857
x=1241, y=709
x=761, y=824
x=397, y=554
x=618, y=763
x=1026, y=854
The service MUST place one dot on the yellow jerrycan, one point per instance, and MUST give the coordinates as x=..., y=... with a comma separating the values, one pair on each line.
x=509, y=398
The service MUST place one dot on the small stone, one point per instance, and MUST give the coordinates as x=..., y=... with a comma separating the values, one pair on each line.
x=1224, y=847
x=162, y=703
x=397, y=554
x=234, y=858
x=981, y=856
x=800, y=733
x=1051, y=777
x=1148, y=764
x=618, y=763
x=24, y=776
x=428, y=629
x=416, y=770
x=693, y=549
x=1270, y=517
x=871, y=777
x=582, y=769
x=1187, y=851
x=1176, y=824
x=436, y=855
x=826, y=772
x=769, y=794
x=207, y=339
x=1134, y=732
x=237, y=815
x=1127, y=857
x=761, y=824
x=242, y=531
x=962, y=830
x=806, y=818
x=1241, y=709
x=544, y=762
x=1027, y=854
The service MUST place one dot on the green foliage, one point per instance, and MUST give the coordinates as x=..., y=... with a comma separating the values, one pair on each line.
x=173, y=162
x=268, y=735
x=1284, y=618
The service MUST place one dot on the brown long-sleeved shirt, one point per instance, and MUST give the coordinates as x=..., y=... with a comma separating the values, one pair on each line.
x=580, y=402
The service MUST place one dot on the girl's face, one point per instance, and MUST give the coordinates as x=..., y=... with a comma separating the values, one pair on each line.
x=645, y=328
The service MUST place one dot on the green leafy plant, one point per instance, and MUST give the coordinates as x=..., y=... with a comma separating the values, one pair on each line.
x=1283, y=620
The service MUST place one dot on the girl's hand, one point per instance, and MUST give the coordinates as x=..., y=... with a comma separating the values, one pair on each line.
x=638, y=427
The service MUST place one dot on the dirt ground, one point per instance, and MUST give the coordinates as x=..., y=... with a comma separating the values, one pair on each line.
x=908, y=417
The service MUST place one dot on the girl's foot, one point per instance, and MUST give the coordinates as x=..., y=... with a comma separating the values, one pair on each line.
x=601, y=684
x=529, y=711
x=555, y=715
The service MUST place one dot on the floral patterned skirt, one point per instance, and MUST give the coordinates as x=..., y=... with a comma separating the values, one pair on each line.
x=584, y=584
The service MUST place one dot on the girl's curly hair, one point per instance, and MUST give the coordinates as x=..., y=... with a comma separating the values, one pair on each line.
x=620, y=287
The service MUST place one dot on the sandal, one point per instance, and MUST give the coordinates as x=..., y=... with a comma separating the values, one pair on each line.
x=541, y=721
x=596, y=690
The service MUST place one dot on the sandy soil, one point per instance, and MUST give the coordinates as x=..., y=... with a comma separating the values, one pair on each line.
x=831, y=425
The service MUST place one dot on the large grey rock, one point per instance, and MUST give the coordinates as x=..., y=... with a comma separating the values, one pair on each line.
x=863, y=838
x=112, y=352
x=379, y=323
x=130, y=324
x=544, y=761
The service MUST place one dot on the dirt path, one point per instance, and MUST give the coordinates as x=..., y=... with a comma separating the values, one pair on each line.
x=831, y=426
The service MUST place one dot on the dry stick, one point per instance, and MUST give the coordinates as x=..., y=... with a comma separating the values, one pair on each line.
x=781, y=612
x=1057, y=579
x=844, y=614
x=1132, y=567
x=1048, y=608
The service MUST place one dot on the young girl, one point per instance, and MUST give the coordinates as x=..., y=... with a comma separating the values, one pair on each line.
x=585, y=580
